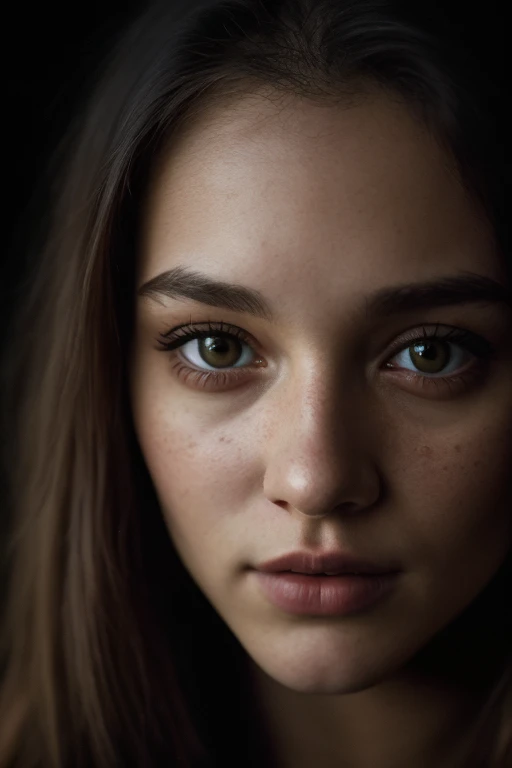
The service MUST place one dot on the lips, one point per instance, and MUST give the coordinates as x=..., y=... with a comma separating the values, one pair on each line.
x=331, y=563
x=331, y=573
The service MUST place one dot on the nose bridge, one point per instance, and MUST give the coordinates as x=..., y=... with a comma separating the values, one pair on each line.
x=318, y=454
x=321, y=416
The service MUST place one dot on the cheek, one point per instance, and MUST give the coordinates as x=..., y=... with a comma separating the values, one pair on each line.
x=200, y=474
x=462, y=492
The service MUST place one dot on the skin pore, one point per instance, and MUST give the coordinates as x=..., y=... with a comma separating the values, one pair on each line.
x=316, y=444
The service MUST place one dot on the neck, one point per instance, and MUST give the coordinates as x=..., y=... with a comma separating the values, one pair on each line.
x=396, y=724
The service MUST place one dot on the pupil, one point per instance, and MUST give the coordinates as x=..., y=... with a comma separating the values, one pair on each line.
x=427, y=351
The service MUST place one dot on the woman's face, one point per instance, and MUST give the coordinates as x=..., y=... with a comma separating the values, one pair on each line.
x=327, y=428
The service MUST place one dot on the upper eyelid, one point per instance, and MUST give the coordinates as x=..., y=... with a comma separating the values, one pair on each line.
x=188, y=331
x=228, y=329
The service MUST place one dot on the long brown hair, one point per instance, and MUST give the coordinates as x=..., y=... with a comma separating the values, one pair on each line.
x=110, y=654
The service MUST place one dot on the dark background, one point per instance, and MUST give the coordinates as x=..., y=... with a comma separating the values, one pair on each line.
x=55, y=53
x=52, y=53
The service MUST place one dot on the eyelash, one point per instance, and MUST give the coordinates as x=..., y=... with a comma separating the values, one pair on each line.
x=177, y=337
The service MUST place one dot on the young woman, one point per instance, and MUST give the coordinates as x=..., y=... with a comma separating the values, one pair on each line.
x=258, y=401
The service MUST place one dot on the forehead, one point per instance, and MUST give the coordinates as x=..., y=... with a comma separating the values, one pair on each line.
x=267, y=184
x=346, y=147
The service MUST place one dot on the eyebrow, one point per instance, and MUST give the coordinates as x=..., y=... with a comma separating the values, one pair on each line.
x=462, y=288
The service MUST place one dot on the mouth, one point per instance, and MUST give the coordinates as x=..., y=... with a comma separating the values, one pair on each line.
x=324, y=594
x=333, y=563
x=328, y=573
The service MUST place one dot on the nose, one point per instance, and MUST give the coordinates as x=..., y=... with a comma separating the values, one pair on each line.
x=320, y=448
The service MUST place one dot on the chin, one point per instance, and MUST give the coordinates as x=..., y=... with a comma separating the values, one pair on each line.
x=315, y=680
x=323, y=657
x=324, y=671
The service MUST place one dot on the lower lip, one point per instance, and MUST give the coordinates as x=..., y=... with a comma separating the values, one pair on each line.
x=302, y=594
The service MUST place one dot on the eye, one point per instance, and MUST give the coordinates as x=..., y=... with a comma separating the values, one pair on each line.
x=220, y=346
x=436, y=357
x=222, y=354
x=217, y=350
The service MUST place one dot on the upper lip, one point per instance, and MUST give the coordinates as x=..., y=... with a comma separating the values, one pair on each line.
x=326, y=562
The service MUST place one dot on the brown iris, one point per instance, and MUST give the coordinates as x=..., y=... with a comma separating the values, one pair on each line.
x=430, y=356
x=219, y=351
